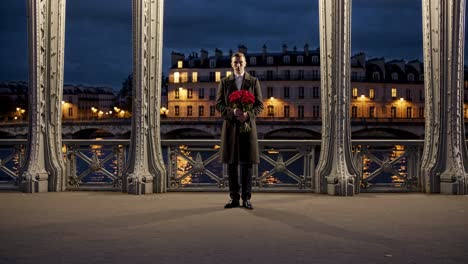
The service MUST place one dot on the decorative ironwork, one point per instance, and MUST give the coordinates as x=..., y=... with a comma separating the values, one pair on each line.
x=285, y=165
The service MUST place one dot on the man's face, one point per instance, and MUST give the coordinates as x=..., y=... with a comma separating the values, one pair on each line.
x=238, y=64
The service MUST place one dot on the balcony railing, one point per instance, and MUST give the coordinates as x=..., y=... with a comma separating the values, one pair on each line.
x=285, y=165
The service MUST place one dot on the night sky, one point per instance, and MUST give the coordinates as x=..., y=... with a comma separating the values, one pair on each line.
x=99, y=33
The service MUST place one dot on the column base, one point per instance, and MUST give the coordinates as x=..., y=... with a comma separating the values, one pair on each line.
x=457, y=187
x=138, y=186
x=340, y=188
x=34, y=183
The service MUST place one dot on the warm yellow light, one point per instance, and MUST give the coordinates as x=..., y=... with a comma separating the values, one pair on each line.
x=17, y=108
x=180, y=88
x=123, y=112
x=110, y=112
x=402, y=99
x=16, y=117
x=63, y=102
x=273, y=151
x=22, y=111
x=101, y=112
x=272, y=98
x=363, y=96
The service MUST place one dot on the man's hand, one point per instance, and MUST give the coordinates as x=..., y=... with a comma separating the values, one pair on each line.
x=238, y=112
x=242, y=118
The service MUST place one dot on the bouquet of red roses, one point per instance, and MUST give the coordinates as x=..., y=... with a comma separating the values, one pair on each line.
x=243, y=100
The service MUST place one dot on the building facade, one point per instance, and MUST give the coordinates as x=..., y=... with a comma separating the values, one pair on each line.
x=290, y=80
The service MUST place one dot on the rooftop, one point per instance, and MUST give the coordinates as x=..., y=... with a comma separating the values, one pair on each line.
x=107, y=227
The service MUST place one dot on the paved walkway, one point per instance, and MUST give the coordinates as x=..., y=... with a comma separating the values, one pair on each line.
x=100, y=227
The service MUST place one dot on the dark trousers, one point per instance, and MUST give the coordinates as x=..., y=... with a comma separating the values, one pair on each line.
x=246, y=181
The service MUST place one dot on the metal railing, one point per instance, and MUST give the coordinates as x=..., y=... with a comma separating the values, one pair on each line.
x=285, y=165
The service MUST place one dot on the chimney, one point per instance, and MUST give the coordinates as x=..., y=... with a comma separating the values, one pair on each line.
x=203, y=56
x=242, y=48
x=264, y=51
x=218, y=53
x=306, y=49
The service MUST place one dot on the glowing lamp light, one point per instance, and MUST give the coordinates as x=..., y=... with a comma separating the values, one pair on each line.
x=402, y=99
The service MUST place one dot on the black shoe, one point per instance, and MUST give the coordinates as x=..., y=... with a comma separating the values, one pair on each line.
x=247, y=204
x=232, y=204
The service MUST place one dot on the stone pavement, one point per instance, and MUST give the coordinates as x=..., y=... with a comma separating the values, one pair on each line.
x=110, y=227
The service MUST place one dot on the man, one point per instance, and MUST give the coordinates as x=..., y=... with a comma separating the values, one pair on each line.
x=239, y=148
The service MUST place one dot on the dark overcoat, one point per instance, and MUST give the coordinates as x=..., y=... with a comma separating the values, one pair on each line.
x=235, y=146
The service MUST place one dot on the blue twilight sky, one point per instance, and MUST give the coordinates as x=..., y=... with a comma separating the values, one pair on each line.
x=99, y=33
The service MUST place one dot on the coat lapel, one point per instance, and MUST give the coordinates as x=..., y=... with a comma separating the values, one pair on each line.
x=247, y=82
x=230, y=84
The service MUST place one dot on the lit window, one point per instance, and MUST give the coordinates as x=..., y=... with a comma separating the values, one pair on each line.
x=271, y=110
x=194, y=77
x=371, y=93
x=176, y=77
x=218, y=77
x=270, y=60
x=394, y=92
x=253, y=60
x=355, y=93
x=228, y=73
x=180, y=64
x=286, y=59
x=184, y=77
x=300, y=59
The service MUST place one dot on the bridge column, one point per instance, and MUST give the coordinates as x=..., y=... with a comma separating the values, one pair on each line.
x=146, y=172
x=335, y=173
x=445, y=162
x=44, y=167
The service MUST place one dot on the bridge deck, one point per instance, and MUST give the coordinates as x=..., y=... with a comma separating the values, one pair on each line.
x=103, y=227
